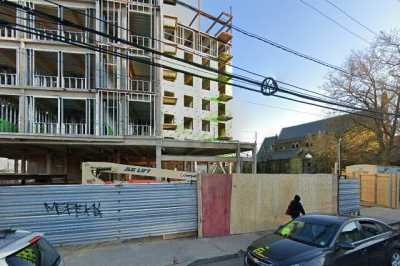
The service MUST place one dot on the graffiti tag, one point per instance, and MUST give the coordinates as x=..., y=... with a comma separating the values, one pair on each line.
x=74, y=208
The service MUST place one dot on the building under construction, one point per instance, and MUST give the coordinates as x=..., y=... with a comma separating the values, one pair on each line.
x=62, y=105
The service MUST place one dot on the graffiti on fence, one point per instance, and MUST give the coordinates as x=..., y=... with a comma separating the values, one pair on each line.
x=74, y=208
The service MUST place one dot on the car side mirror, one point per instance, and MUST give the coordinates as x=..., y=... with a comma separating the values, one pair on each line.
x=345, y=246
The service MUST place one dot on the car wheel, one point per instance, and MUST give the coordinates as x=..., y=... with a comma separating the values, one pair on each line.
x=395, y=258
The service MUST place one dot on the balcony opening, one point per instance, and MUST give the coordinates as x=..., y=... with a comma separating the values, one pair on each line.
x=188, y=101
x=221, y=109
x=205, y=126
x=185, y=37
x=46, y=69
x=205, y=62
x=222, y=88
x=11, y=17
x=76, y=16
x=221, y=130
x=170, y=35
x=75, y=117
x=169, y=122
x=169, y=98
x=9, y=111
x=206, y=84
x=74, y=71
x=8, y=67
x=188, y=123
x=140, y=32
x=46, y=28
x=188, y=57
x=205, y=105
x=140, y=120
x=188, y=79
x=45, y=116
x=139, y=77
x=109, y=77
x=111, y=20
x=169, y=94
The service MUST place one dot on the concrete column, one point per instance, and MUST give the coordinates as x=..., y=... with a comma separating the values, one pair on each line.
x=23, y=166
x=158, y=157
x=254, y=154
x=238, y=164
x=15, y=166
x=21, y=114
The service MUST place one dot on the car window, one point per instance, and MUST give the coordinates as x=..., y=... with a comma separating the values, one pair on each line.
x=40, y=253
x=371, y=228
x=350, y=233
x=309, y=232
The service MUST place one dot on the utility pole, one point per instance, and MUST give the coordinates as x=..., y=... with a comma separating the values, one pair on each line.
x=338, y=157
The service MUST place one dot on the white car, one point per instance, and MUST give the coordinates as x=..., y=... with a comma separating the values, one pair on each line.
x=23, y=248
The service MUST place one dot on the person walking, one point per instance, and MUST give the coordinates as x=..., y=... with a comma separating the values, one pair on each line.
x=295, y=208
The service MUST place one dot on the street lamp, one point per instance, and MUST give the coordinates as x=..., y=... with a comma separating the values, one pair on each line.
x=308, y=156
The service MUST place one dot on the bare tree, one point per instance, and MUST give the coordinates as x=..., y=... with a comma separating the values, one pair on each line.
x=374, y=84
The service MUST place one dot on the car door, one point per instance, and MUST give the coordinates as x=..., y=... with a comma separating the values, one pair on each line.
x=356, y=256
x=376, y=237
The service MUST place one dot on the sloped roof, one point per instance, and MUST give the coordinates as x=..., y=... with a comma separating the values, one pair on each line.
x=266, y=148
x=333, y=124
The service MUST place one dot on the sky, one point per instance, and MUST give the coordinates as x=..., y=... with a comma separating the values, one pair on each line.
x=291, y=23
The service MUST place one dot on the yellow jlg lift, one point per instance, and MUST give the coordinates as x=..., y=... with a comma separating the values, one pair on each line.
x=91, y=172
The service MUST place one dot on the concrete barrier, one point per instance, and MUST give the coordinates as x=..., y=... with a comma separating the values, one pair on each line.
x=259, y=202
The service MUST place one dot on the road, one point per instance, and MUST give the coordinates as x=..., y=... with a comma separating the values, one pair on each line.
x=230, y=260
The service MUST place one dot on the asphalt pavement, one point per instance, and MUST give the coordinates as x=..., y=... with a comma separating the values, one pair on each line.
x=228, y=260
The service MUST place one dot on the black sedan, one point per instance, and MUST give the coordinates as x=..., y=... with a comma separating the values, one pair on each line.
x=322, y=240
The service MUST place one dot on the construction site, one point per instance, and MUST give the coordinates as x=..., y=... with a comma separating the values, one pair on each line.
x=62, y=105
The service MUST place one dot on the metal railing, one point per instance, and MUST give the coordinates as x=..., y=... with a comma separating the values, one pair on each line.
x=6, y=32
x=74, y=128
x=45, y=34
x=139, y=130
x=45, y=81
x=140, y=6
x=45, y=128
x=140, y=85
x=75, y=36
x=74, y=83
x=140, y=41
x=7, y=79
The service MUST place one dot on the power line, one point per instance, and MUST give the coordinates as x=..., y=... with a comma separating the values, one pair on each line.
x=333, y=21
x=182, y=71
x=60, y=38
x=280, y=108
x=351, y=17
x=245, y=79
x=286, y=48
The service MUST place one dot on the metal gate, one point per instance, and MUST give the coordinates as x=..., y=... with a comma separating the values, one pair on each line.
x=348, y=196
x=81, y=214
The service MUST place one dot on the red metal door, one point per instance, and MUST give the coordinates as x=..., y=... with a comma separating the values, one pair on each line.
x=216, y=204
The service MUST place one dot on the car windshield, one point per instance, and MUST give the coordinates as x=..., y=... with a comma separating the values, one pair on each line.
x=311, y=233
x=40, y=253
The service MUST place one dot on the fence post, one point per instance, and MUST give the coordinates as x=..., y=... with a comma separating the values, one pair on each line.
x=199, y=207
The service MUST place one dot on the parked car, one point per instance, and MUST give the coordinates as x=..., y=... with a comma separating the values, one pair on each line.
x=322, y=240
x=23, y=248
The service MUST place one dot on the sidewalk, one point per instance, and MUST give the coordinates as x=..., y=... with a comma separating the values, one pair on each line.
x=156, y=253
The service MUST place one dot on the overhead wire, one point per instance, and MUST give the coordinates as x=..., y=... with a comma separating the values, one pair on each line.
x=288, y=49
x=333, y=20
x=351, y=17
x=186, y=50
x=285, y=91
